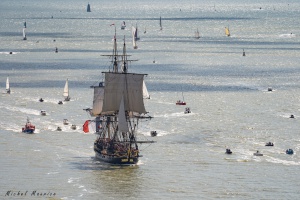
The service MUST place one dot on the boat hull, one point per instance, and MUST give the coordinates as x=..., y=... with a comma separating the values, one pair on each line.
x=116, y=160
x=29, y=131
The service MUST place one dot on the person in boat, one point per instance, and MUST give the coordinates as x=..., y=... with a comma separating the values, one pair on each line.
x=292, y=116
x=41, y=100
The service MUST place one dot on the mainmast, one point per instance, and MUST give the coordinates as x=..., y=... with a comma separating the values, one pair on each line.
x=115, y=54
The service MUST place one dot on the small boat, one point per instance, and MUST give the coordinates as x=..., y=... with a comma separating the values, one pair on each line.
x=244, y=54
x=228, y=151
x=153, y=133
x=187, y=110
x=7, y=86
x=179, y=102
x=135, y=33
x=56, y=50
x=60, y=102
x=292, y=116
x=73, y=127
x=289, y=151
x=29, y=128
x=59, y=128
x=66, y=91
x=88, y=8
x=257, y=153
x=43, y=112
x=269, y=144
x=270, y=89
x=123, y=25
x=65, y=122
x=227, y=32
x=41, y=100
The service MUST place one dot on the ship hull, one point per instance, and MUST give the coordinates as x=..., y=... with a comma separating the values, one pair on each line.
x=116, y=160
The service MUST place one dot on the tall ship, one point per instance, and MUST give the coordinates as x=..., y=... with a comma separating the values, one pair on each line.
x=118, y=108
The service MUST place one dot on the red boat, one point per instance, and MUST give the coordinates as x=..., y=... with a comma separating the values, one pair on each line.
x=29, y=128
x=180, y=102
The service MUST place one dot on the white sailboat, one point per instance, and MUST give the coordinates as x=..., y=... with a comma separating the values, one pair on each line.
x=66, y=91
x=24, y=31
x=7, y=86
x=135, y=32
x=134, y=38
x=197, y=34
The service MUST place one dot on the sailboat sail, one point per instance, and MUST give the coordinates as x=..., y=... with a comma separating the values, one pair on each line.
x=122, y=126
x=98, y=100
x=197, y=35
x=88, y=8
x=160, y=24
x=145, y=91
x=7, y=86
x=227, y=32
x=134, y=38
x=66, y=91
x=24, y=34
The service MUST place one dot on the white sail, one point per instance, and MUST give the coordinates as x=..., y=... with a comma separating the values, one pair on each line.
x=145, y=91
x=24, y=34
x=122, y=125
x=66, y=89
x=98, y=100
x=128, y=85
x=7, y=85
x=134, y=38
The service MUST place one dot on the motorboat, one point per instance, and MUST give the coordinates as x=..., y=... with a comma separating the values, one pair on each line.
x=257, y=153
x=153, y=133
x=289, y=151
x=28, y=128
x=43, y=112
x=269, y=144
x=60, y=102
x=41, y=100
x=65, y=122
x=73, y=127
x=228, y=151
x=187, y=110
x=59, y=128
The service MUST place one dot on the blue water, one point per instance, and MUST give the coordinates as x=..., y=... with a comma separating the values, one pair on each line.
x=227, y=94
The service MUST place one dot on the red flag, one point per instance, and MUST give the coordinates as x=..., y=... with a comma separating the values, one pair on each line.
x=86, y=126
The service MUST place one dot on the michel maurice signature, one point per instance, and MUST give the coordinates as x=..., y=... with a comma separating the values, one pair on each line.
x=33, y=193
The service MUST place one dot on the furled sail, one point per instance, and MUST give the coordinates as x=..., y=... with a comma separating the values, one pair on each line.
x=127, y=85
x=98, y=100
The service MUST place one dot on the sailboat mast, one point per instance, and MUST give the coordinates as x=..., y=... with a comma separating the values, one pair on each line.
x=115, y=54
x=124, y=58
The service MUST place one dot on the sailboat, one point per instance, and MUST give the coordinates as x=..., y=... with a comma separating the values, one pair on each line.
x=119, y=109
x=160, y=24
x=134, y=38
x=197, y=35
x=24, y=32
x=227, y=32
x=7, y=86
x=66, y=91
x=179, y=102
x=123, y=25
x=88, y=8
x=135, y=32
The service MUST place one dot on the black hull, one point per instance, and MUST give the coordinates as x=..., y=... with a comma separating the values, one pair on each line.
x=116, y=160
